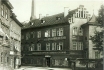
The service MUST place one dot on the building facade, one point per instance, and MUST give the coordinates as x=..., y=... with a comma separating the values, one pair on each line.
x=15, y=41
x=8, y=27
x=60, y=40
x=46, y=45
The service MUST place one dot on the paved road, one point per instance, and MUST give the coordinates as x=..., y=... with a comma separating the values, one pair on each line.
x=42, y=68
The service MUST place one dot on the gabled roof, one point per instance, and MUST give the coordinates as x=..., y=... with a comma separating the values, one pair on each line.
x=50, y=20
x=46, y=21
x=70, y=13
x=16, y=20
x=92, y=21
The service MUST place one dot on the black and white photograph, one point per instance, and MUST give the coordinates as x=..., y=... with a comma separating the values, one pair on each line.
x=51, y=34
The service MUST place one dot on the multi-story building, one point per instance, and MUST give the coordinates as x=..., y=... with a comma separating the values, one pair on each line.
x=10, y=28
x=15, y=41
x=59, y=40
x=93, y=54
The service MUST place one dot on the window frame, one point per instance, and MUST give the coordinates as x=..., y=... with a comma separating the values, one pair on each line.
x=75, y=45
x=74, y=31
x=53, y=32
x=48, y=33
x=61, y=31
x=39, y=46
x=97, y=54
x=60, y=45
x=32, y=47
x=48, y=46
x=6, y=13
x=38, y=34
x=2, y=10
x=53, y=46
x=80, y=32
x=27, y=36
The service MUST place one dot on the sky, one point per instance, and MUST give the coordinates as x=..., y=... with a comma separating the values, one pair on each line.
x=22, y=8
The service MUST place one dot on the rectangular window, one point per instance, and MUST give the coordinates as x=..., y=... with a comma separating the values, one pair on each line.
x=75, y=31
x=27, y=36
x=53, y=46
x=60, y=46
x=79, y=13
x=74, y=45
x=32, y=47
x=53, y=32
x=47, y=46
x=39, y=34
x=32, y=34
x=82, y=13
x=60, y=31
x=2, y=57
x=97, y=55
x=81, y=32
x=2, y=10
x=1, y=40
x=38, y=46
x=47, y=33
x=6, y=13
x=80, y=46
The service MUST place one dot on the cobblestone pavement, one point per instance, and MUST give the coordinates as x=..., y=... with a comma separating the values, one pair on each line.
x=41, y=68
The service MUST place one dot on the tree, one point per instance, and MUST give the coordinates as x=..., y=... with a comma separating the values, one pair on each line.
x=100, y=18
x=97, y=39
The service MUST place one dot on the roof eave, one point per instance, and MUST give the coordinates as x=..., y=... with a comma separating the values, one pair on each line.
x=8, y=4
x=16, y=20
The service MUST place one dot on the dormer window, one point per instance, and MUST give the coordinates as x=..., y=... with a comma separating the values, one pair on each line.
x=31, y=23
x=43, y=21
x=58, y=18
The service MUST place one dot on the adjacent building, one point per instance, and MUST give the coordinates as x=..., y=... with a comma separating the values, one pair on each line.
x=15, y=41
x=60, y=40
x=10, y=36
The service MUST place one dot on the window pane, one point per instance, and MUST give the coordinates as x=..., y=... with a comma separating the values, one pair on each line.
x=75, y=31
x=38, y=46
x=60, y=31
x=48, y=46
x=74, y=45
x=80, y=31
x=39, y=34
x=47, y=33
x=53, y=32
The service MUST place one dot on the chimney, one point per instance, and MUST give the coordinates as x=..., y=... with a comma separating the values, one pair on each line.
x=66, y=10
x=40, y=16
x=32, y=11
